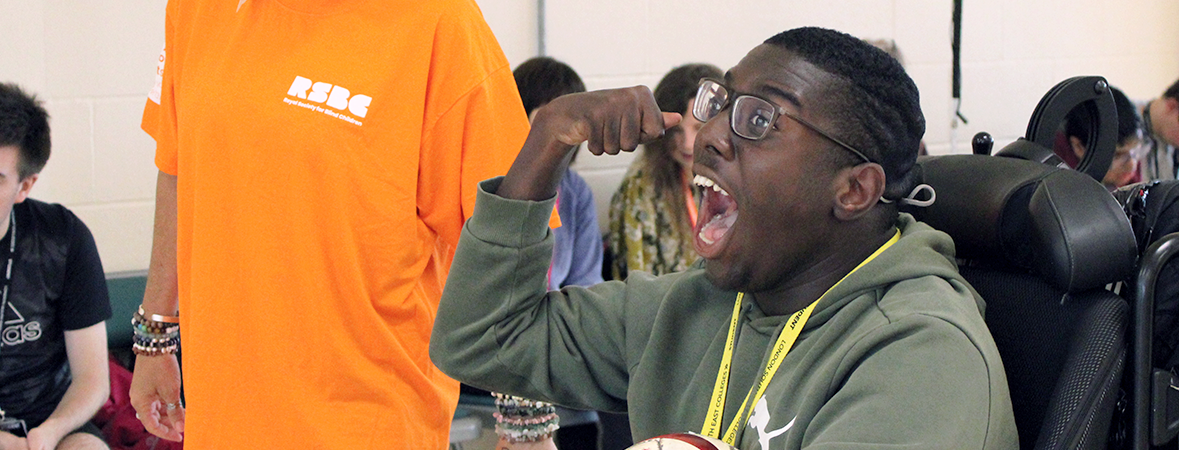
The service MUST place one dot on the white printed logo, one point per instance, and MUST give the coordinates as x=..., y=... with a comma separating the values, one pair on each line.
x=16, y=330
x=154, y=95
x=336, y=97
x=761, y=419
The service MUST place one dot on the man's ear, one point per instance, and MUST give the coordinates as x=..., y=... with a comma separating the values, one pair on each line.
x=26, y=185
x=858, y=189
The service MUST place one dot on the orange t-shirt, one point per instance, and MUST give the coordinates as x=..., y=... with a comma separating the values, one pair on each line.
x=327, y=154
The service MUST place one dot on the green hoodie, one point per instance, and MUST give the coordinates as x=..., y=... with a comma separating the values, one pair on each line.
x=896, y=355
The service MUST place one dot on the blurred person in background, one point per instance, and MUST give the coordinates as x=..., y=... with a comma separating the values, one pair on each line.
x=1123, y=170
x=654, y=209
x=1161, y=119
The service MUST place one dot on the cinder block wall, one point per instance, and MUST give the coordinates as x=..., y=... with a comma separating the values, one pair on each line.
x=94, y=62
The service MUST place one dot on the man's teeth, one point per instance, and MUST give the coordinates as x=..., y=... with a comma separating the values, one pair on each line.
x=705, y=182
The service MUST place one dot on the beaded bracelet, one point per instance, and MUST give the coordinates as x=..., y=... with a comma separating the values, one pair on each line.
x=155, y=335
x=522, y=420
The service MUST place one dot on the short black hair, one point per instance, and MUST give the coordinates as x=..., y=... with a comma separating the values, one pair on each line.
x=542, y=79
x=880, y=112
x=1173, y=91
x=1079, y=121
x=24, y=123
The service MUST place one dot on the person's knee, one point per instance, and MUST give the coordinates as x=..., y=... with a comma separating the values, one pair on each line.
x=82, y=441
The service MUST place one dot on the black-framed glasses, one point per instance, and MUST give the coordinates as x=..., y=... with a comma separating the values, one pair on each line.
x=752, y=116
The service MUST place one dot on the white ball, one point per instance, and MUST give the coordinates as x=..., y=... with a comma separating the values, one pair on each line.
x=682, y=441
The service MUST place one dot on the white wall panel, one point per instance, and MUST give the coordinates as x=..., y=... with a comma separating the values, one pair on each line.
x=103, y=48
x=514, y=25
x=68, y=177
x=124, y=155
x=122, y=232
x=22, y=43
x=598, y=38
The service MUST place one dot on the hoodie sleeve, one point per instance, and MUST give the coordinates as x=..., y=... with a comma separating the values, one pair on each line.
x=499, y=329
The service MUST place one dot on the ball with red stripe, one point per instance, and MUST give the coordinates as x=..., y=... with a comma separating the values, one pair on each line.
x=682, y=441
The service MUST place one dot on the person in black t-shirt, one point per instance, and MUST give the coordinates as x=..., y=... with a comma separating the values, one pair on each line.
x=53, y=299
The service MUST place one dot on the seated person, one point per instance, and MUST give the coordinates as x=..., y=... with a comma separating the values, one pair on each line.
x=1070, y=145
x=654, y=209
x=821, y=316
x=53, y=304
x=1161, y=120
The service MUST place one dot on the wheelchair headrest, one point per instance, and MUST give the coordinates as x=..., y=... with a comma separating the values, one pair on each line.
x=1060, y=224
x=1091, y=93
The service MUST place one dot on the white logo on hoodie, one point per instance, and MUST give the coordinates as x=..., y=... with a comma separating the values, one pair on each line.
x=761, y=419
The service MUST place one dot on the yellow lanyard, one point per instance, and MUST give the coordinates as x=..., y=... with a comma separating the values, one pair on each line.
x=716, y=407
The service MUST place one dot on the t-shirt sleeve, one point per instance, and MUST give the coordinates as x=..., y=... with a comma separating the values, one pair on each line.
x=84, y=298
x=475, y=123
x=498, y=328
x=159, y=111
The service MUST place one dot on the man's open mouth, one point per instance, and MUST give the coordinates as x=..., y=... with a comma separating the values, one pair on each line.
x=718, y=212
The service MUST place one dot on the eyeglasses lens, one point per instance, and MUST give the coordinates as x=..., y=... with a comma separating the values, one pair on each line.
x=710, y=100
x=752, y=117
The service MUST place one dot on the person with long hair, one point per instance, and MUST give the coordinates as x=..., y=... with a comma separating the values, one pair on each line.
x=654, y=209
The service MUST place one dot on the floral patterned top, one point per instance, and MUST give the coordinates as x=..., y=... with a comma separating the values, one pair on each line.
x=641, y=235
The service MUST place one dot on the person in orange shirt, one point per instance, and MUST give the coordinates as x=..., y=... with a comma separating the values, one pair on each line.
x=317, y=162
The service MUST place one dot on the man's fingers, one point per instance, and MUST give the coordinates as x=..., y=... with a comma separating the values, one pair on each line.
x=594, y=141
x=611, y=121
x=630, y=135
x=613, y=133
x=671, y=119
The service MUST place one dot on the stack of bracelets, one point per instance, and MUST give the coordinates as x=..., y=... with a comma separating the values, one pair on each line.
x=155, y=334
x=522, y=420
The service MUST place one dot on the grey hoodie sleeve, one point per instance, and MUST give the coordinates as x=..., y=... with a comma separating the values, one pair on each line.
x=497, y=328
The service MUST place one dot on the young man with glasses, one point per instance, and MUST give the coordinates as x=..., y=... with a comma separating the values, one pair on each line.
x=820, y=315
x=1161, y=118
